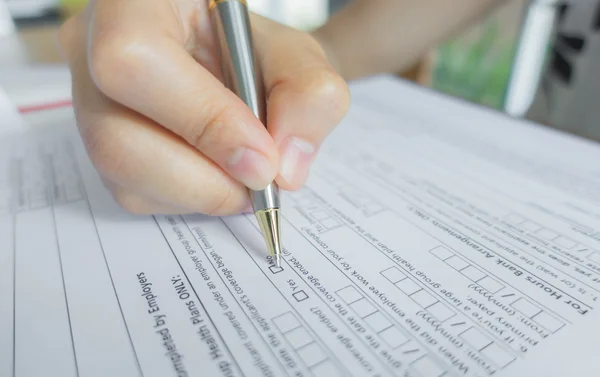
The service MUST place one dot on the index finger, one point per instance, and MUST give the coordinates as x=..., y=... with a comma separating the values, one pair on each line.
x=138, y=58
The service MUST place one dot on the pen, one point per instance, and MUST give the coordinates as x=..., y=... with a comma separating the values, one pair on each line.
x=231, y=24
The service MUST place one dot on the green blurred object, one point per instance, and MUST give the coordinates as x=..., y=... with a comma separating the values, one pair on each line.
x=70, y=7
x=477, y=65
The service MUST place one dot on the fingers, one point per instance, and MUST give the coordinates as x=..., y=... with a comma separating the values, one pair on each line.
x=137, y=204
x=306, y=97
x=149, y=168
x=137, y=58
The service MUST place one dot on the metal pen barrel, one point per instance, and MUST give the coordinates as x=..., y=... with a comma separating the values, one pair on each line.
x=241, y=74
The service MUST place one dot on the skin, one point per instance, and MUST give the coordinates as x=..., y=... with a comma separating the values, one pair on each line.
x=167, y=137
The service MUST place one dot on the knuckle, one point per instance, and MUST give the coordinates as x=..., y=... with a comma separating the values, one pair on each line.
x=115, y=56
x=221, y=203
x=210, y=131
x=329, y=89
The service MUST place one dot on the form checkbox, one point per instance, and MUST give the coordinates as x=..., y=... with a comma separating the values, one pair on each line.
x=529, y=309
x=286, y=322
x=548, y=322
x=393, y=337
x=476, y=338
x=441, y=252
x=275, y=269
x=440, y=311
x=325, y=369
x=363, y=307
x=565, y=242
x=320, y=214
x=594, y=257
x=393, y=274
x=423, y=298
x=331, y=223
x=300, y=296
x=349, y=294
x=298, y=337
x=408, y=286
x=490, y=285
x=497, y=355
x=312, y=354
x=426, y=366
x=377, y=321
x=456, y=263
x=473, y=273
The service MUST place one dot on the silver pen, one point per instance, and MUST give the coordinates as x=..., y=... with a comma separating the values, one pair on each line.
x=231, y=25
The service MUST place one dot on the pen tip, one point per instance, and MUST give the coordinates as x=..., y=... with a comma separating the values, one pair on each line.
x=268, y=221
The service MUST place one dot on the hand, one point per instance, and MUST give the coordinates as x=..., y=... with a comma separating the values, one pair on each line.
x=161, y=129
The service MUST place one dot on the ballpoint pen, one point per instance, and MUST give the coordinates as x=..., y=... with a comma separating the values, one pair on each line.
x=231, y=25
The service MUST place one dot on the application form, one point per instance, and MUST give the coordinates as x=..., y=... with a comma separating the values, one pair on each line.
x=433, y=238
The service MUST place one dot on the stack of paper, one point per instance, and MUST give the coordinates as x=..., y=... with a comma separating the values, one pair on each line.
x=433, y=238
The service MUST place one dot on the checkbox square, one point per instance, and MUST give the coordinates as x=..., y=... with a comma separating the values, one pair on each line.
x=393, y=337
x=349, y=294
x=548, y=322
x=408, y=286
x=476, y=338
x=286, y=322
x=312, y=354
x=441, y=252
x=490, y=285
x=472, y=273
x=440, y=311
x=275, y=269
x=393, y=275
x=298, y=337
x=363, y=308
x=497, y=355
x=378, y=321
x=423, y=298
x=526, y=307
x=456, y=263
x=300, y=296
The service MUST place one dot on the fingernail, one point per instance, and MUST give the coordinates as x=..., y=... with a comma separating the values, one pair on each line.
x=251, y=168
x=296, y=158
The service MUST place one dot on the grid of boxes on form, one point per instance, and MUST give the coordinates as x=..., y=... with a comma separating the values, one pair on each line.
x=529, y=310
x=550, y=235
x=305, y=345
x=305, y=199
x=420, y=296
x=390, y=333
x=468, y=270
x=490, y=349
x=542, y=232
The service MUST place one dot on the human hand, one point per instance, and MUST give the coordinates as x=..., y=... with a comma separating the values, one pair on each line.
x=161, y=129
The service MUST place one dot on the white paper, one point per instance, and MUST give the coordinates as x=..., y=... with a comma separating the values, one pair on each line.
x=10, y=121
x=433, y=238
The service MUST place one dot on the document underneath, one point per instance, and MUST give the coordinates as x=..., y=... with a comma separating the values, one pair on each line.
x=433, y=238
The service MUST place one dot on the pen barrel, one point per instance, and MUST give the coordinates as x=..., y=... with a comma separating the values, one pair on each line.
x=241, y=73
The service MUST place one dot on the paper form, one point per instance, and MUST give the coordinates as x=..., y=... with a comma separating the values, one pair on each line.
x=452, y=242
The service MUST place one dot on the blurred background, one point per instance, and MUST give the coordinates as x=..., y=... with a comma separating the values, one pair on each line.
x=492, y=63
